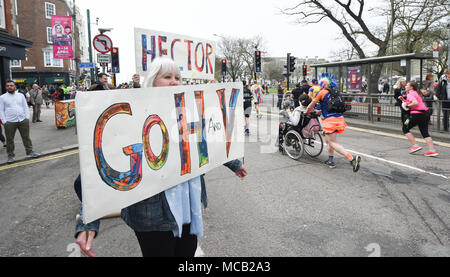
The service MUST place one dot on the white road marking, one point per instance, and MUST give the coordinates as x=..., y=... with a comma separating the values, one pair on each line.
x=397, y=164
x=199, y=252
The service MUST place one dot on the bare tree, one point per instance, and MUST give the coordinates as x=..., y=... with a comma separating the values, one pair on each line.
x=350, y=17
x=239, y=53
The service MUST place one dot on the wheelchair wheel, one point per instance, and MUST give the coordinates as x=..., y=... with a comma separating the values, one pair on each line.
x=314, y=146
x=293, y=145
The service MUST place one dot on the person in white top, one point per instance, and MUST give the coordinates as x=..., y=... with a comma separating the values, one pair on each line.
x=15, y=115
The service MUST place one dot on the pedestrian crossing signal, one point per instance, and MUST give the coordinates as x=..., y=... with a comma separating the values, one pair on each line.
x=115, y=60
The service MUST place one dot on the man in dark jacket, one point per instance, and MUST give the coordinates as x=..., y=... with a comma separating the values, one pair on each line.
x=296, y=92
x=443, y=93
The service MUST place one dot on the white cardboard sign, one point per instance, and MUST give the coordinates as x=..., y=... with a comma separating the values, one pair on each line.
x=137, y=143
x=195, y=56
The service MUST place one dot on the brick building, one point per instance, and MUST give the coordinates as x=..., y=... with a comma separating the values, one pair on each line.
x=11, y=46
x=33, y=21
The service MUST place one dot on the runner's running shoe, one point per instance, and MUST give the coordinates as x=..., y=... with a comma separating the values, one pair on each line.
x=414, y=149
x=355, y=163
x=431, y=154
x=330, y=164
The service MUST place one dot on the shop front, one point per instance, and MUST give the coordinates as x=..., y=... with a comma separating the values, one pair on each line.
x=11, y=48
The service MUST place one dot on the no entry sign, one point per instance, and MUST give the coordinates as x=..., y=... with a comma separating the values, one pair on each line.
x=102, y=43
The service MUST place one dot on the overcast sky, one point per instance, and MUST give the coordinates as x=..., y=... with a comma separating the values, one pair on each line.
x=203, y=18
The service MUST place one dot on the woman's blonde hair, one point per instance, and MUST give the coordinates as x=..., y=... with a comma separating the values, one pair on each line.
x=159, y=66
x=397, y=85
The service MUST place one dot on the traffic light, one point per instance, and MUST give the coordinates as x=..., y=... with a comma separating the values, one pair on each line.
x=224, y=67
x=115, y=60
x=288, y=61
x=305, y=70
x=97, y=71
x=291, y=64
x=257, y=61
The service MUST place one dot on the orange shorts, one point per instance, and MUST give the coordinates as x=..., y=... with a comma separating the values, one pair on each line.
x=334, y=124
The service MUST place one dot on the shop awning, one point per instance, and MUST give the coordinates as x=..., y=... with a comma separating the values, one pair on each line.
x=54, y=80
x=25, y=80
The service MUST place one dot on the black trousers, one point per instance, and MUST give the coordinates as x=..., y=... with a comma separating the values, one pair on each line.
x=421, y=120
x=164, y=244
x=445, y=112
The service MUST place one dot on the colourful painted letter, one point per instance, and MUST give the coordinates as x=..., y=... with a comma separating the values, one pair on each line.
x=123, y=181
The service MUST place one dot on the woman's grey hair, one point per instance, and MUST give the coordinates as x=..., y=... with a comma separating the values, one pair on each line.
x=160, y=66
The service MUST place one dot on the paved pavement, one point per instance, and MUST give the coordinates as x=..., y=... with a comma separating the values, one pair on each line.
x=46, y=138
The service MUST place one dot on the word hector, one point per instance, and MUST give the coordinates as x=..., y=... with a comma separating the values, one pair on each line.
x=205, y=51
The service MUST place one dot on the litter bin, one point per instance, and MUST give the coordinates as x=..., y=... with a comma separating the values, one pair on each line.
x=65, y=113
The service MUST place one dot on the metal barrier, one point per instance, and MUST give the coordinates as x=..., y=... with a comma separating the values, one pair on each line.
x=381, y=108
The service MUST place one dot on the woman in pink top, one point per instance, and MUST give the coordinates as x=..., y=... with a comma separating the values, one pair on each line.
x=418, y=117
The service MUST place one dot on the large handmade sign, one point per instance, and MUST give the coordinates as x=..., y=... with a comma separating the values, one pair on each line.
x=195, y=56
x=137, y=143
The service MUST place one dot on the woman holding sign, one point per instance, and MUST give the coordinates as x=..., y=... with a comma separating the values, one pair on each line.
x=169, y=223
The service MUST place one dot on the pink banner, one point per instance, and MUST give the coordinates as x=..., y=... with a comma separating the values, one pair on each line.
x=62, y=37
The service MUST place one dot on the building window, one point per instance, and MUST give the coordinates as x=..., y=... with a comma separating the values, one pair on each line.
x=16, y=63
x=50, y=62
x=50, y=10
x=49, y=35
x=2, y=14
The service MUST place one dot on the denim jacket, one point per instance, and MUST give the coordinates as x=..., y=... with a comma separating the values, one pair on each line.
x=151, y=214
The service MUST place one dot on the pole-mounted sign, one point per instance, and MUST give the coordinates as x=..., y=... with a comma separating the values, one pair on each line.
x=102, y=43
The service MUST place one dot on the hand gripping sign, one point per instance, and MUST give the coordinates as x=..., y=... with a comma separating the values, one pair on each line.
x=137, y=143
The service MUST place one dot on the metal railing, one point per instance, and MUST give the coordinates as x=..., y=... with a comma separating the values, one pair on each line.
x=381, y=108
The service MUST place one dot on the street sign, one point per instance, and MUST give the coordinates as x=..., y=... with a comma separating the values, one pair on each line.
x=102, y=43
x=86, y=65
x=103, y=58
x=435, y=54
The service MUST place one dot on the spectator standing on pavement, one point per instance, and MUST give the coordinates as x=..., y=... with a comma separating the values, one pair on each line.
x=443, y=94
x=257, y=97
x=418, y=117
x=169, y=223
x=46, y=96
x=333, y=122
x=280, y=96
x=247, y=107
x=400, y=90
x=36, y=100
x=296, y=92
x=15, y=116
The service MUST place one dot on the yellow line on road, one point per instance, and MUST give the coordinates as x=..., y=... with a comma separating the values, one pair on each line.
x=38, y=160
x=395, y=136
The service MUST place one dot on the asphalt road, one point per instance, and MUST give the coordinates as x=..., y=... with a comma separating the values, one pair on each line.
x=396, y=205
